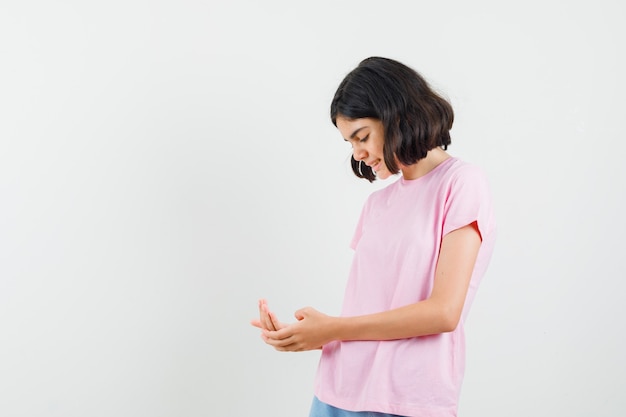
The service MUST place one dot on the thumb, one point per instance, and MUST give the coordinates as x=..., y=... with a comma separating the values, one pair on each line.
x=301, y=314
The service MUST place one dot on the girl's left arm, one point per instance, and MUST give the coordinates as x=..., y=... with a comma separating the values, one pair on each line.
x=439, y=313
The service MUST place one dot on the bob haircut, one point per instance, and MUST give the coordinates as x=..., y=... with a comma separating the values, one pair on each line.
x=415, y=119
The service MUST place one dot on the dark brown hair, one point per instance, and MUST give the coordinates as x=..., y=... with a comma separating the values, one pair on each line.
x=415, y=118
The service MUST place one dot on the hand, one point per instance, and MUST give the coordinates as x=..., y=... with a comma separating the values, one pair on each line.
x=267, y=320
x=312, y=330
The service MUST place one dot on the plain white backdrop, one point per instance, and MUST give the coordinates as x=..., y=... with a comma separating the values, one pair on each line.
x=165, y=164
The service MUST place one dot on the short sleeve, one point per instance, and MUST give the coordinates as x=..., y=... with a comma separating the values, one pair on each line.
x=468, y=200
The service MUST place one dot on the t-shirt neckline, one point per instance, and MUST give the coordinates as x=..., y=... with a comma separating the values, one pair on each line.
x=446, y=161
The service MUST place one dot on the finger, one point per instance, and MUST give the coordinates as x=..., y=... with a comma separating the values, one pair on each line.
x=275, y=323
x=266, y=316
x=293, y=347
x=269, y=337
x=278, y=343
x=280, y=338
x=256, y=323
x=263, y=316
x=261, y=321
x=268, y=319
x=288, y=343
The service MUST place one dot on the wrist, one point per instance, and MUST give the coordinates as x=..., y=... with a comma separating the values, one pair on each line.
x=336, y=328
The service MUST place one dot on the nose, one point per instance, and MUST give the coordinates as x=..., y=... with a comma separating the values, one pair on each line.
x=358, y=153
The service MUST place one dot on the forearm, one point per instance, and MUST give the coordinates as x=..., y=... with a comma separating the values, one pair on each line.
x=420, y=319
x=314, y=329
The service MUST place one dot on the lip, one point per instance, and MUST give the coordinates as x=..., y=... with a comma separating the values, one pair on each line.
x=375, y=165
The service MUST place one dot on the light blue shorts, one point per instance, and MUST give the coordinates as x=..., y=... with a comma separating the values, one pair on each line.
x=320, y=409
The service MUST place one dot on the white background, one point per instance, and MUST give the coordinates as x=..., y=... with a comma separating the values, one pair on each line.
x=165, y=164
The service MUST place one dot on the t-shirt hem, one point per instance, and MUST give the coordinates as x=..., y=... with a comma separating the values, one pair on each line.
x=398, y=409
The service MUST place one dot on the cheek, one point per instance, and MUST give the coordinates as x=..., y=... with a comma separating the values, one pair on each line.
x=379, y=148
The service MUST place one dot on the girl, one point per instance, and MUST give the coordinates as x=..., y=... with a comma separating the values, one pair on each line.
x=421, y=247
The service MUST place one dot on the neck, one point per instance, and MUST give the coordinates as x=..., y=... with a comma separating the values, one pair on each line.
x=422, y=167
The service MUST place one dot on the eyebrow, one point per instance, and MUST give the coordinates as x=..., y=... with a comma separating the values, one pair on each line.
x=355, y=132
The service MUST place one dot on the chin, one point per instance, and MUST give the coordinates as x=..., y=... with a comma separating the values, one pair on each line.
x=383, y=175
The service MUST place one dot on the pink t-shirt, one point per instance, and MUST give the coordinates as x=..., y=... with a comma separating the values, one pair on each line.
x=396, y=245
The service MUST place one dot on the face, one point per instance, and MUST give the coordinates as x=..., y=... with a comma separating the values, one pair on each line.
x=366, y=136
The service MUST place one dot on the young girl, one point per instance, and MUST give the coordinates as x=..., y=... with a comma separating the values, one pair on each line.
x=421, y=247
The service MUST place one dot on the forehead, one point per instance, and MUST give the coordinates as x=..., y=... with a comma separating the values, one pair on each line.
x=349, y=128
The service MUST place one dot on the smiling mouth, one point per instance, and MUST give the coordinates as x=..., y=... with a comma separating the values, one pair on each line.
x=375, y=165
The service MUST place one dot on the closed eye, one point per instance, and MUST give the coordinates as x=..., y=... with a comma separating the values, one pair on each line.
x=365, y=138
